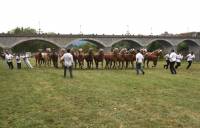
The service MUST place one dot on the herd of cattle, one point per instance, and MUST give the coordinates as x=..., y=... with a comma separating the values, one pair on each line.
x=117, y=59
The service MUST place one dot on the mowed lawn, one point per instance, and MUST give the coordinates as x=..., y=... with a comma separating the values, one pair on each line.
x=42, y=98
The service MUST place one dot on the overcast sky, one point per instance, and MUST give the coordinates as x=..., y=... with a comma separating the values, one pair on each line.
x=101, y=16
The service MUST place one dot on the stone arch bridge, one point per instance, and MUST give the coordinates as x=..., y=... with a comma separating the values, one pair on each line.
x=8, y=41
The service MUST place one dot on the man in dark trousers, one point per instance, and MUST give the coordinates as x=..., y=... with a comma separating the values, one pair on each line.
x=18, y=61
x=167, y=61
x=9, y=58
x=190, y=58
x=139, y=61
x=68, y=62
x=172, y=59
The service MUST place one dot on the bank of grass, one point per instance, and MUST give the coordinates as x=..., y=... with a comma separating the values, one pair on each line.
x=42, y=98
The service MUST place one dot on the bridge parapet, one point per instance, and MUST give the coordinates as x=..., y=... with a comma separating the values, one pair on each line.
x=9, y=40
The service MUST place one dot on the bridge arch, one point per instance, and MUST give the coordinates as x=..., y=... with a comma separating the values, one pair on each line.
x=187, y=45
x=189, y=42
x=133, y=43
x=93, y=41
x=35, y=39
x=163, y=44
x=32, y=45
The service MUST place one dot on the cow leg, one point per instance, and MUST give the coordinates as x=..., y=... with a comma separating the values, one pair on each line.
x=154, y=63
x=127, y=63
x=147, y=63
x=102, y=64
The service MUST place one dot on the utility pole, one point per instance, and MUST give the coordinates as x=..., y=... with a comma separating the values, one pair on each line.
x=127, y=32
x=81, y=29
x=151, y=31
x=39, y=29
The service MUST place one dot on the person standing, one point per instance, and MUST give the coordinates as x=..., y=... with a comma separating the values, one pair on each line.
x=9, y=58
x=179, y=57
x=167, y=61
x=172, y=59
x=139, y=61
x=26, y=61
x=68, y=62
x=190, y=58
x=18, y=61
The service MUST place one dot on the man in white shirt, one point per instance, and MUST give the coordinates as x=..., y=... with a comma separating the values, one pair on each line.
x=190, y=58
x=18, y=61
x=9, y=58
x=167, y=61
x=68, y=62
x=179, y=57
x=26, y=60
x=172, y=59
x=139, y=61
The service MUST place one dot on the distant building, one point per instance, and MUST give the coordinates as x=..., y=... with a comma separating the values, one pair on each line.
x=192, y=34
x=167, y=34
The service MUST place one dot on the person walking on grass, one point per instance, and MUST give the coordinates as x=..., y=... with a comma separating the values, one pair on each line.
x=139, y=61
x=172, y=59
x=9, y=58
x=26, y=61
x=190, y=58
x=179, y=57
x=167, y=61
x=68, y=62
x=18, y=61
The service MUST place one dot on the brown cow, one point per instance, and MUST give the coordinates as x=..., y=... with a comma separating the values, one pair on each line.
x=152, y=56
x=99, y=58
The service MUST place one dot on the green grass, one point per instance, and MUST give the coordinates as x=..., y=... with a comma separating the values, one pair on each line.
x=42, y=98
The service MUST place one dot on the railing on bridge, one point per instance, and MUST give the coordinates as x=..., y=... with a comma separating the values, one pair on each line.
x=99, y=36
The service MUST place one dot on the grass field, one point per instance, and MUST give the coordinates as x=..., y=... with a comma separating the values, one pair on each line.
x=42, y=98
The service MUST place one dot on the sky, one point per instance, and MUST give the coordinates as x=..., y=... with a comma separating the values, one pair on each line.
x=102, y=16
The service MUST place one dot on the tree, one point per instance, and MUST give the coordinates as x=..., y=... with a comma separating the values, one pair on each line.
x=32, y=46
x=183, y=48
x=125, y=44
x=22, y=31
x=85, y=45
x=154, y=46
